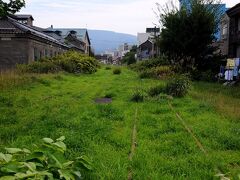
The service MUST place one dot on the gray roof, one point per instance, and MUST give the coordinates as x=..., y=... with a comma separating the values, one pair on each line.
x=9, y=25
x=22, y=16
x=82, y=34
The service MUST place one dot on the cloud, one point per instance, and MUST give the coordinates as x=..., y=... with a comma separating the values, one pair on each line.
x=129, y=16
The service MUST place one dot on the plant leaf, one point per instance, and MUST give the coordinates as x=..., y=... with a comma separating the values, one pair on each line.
x=7, y=178
x=5, y=157
x=62, y=138
x=26, y=151
x=48, y=140
x=65, y=165
x=13, y=150
x=61, y=145
x=66, y=174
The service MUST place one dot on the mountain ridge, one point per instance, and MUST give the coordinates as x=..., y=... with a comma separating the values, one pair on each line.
x=105, y=40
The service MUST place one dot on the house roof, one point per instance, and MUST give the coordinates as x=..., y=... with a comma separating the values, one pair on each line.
x=234, y=10
x=22, y=16
x=80, y=33
x=9, y=25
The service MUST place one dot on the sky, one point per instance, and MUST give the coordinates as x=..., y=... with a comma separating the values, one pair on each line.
x=125, y=16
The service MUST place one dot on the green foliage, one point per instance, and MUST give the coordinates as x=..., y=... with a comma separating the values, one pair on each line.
x=39, y=67
x=11, y=7
x=47, y=161
x=117, y=71
x=178, y=86
x=137, y=96
x=156, y=90
x=151, y=63
x=108, y=68
x=71, y=62
x=159, y=72
x=129, y=58
x=184, y=30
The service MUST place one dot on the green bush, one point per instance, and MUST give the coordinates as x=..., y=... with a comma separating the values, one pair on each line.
x=71, y=61
x=117, y=71
x=137, y=96
x=108, y=68
x=178, y=86
x=162, y=71
x=148, y=73
x=156, y=72
x=157, y=90
x=47, y=161
x=151, y=63
x=39, y=67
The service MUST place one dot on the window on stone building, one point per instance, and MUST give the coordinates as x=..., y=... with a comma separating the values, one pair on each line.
x=239, y=24
x=40, y=55
x=51, y=53
x=35, y=54
x=46, y=53
x=225, y=30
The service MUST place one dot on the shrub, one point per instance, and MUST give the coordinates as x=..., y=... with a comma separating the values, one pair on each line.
x=48, y=161
x=72, y=62
x=157, y=90
x=163, y=71
x=178, y=86
x=151, y=63
x=117, y=71
x=156, y=72
x=39, y=67
x=148, y=73
x=137, y=96
x=108, y=68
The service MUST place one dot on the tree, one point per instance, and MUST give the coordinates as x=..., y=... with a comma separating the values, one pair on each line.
x=129, y=58
x=188, y=33
x=10, y=8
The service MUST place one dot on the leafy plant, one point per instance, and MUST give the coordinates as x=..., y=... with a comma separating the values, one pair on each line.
x=157, y=90
x=137, y=96
x=117, y=71
x=178, y=86
x=71, y=62
x=47, y=161
x=108, y=68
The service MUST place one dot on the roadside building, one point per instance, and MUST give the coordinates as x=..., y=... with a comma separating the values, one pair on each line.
x=81, y=37
x=234, y=31
x=147, y=46
x=21, y=43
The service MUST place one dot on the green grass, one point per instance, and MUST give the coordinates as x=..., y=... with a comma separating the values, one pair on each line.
x=56, y=105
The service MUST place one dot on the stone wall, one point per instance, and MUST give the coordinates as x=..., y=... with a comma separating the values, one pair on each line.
x=13, y=51
x=23, y=50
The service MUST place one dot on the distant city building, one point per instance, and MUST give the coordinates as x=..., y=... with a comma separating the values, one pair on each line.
x=147, y=47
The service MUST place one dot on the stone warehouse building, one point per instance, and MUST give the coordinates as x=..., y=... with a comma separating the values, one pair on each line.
x=23, y=43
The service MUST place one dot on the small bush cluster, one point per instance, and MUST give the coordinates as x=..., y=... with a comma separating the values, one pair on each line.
x=71, y=62
x=151, y=63
x=117, y=71
x=178, y=86
x=108, y=68
x=156, y=90
x=157, y=72
x=48, y=161
x=137, y=96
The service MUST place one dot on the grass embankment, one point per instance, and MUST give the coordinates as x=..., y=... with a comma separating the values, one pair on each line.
x=56, y=105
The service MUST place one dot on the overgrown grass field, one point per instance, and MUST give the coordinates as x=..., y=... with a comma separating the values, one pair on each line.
x=64, y=104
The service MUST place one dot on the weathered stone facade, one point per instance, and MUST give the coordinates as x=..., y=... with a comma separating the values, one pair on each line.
x=21, y=44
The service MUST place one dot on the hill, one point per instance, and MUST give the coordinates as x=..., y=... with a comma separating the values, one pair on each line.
x=108, y=40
